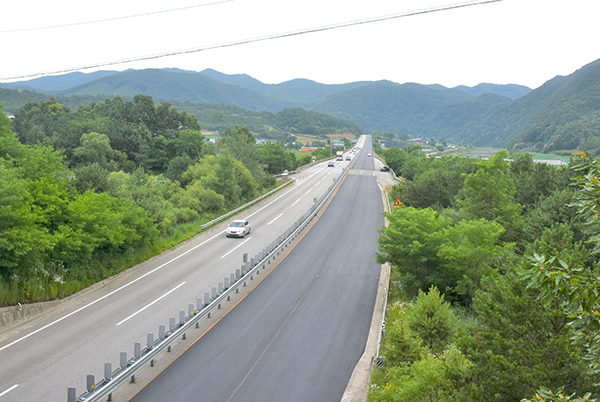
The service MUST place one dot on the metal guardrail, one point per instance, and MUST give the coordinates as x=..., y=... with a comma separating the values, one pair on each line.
x=246, y=205
x=129, y=367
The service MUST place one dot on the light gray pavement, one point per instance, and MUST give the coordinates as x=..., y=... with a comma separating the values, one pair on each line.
x=44, y=356
x=300, y=333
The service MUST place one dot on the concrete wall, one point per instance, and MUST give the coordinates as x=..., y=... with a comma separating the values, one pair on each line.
x=10, y=316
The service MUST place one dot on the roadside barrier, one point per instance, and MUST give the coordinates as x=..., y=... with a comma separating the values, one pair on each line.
x=178, y=328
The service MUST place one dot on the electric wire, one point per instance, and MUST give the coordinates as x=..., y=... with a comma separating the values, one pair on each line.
x=113, y=18
x=259, y=39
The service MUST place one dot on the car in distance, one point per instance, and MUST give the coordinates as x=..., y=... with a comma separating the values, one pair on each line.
x=238, y=228
x=348, y=158
x=330, y=164
x=385, y=169
x=369, y=155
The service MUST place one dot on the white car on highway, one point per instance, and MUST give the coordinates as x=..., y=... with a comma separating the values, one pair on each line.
x=238, y=228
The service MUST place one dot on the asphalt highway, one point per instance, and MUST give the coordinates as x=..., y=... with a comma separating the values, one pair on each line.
x=44, y=356
x=299, y=334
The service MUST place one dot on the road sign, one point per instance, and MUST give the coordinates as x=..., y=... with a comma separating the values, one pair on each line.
x=398, y=202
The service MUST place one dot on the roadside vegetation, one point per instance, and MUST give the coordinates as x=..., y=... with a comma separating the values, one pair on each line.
x=85, y=194
x=494, y=293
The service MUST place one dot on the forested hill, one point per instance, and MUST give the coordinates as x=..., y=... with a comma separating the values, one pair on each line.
x=565, y=113
x=562, y=114
x=210, y=86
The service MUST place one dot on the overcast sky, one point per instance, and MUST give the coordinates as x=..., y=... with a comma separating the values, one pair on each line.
x=526, y=42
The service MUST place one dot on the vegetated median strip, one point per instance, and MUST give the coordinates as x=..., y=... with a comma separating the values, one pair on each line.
x=236, y=247
x=278, y=216
x=148, y=305
x=8, y=390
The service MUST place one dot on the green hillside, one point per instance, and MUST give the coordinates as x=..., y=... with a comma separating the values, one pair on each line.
x=562, y=114
x=570, y=114
x=175, y=85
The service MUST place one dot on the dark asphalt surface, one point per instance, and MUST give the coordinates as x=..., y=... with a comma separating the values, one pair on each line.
x=298, y=336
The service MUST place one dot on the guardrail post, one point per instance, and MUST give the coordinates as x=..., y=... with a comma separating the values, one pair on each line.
x=107, y=371
x=182, y=320
x=90, y=384
x=150, y=341
x=238, y=274
x=123, y=359
x=245, y=257
x=137, y=350
x=71, y=394
x=172, y=324
x=232, y=278
x=161, y=332
x=190, y=310
x=226, y=283
x=214, y=293
x=198, y=308
x=220, y=285
x=206, y=298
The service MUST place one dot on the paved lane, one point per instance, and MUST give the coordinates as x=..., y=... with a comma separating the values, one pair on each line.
x=43, y=357
x=298, y=336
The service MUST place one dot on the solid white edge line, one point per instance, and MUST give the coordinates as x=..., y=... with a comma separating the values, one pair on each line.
x=130, y=283
x=278, y=216
x=236, y=247
x=109, y=294
x=148, y=305
x=8, y=390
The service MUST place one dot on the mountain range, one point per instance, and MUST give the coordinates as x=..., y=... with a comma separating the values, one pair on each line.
x=561, y=114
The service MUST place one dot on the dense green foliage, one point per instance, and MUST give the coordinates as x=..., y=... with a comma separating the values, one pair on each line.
x=282, y=125
x=562, y=114
x=473, y=233
x=87, y=193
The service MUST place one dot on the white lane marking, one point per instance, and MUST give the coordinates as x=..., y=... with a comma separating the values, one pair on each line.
x=254, y=213
x=295, y=202
x=148, y=305
x=236, y=247
x=319, y=182
x=278, y=216
x=111, y=293
x=8, y=390
x=308, y=191
x=132, y=282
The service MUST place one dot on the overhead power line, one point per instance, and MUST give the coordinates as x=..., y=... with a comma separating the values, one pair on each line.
x=112, y=18
x=260, y=39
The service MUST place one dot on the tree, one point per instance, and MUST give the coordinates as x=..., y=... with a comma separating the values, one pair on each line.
x=432, y=320
x=276, y=159
x=410, y=243
x=426, y=250
x=489, y=194
x=95, y=148
x=520, y=343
